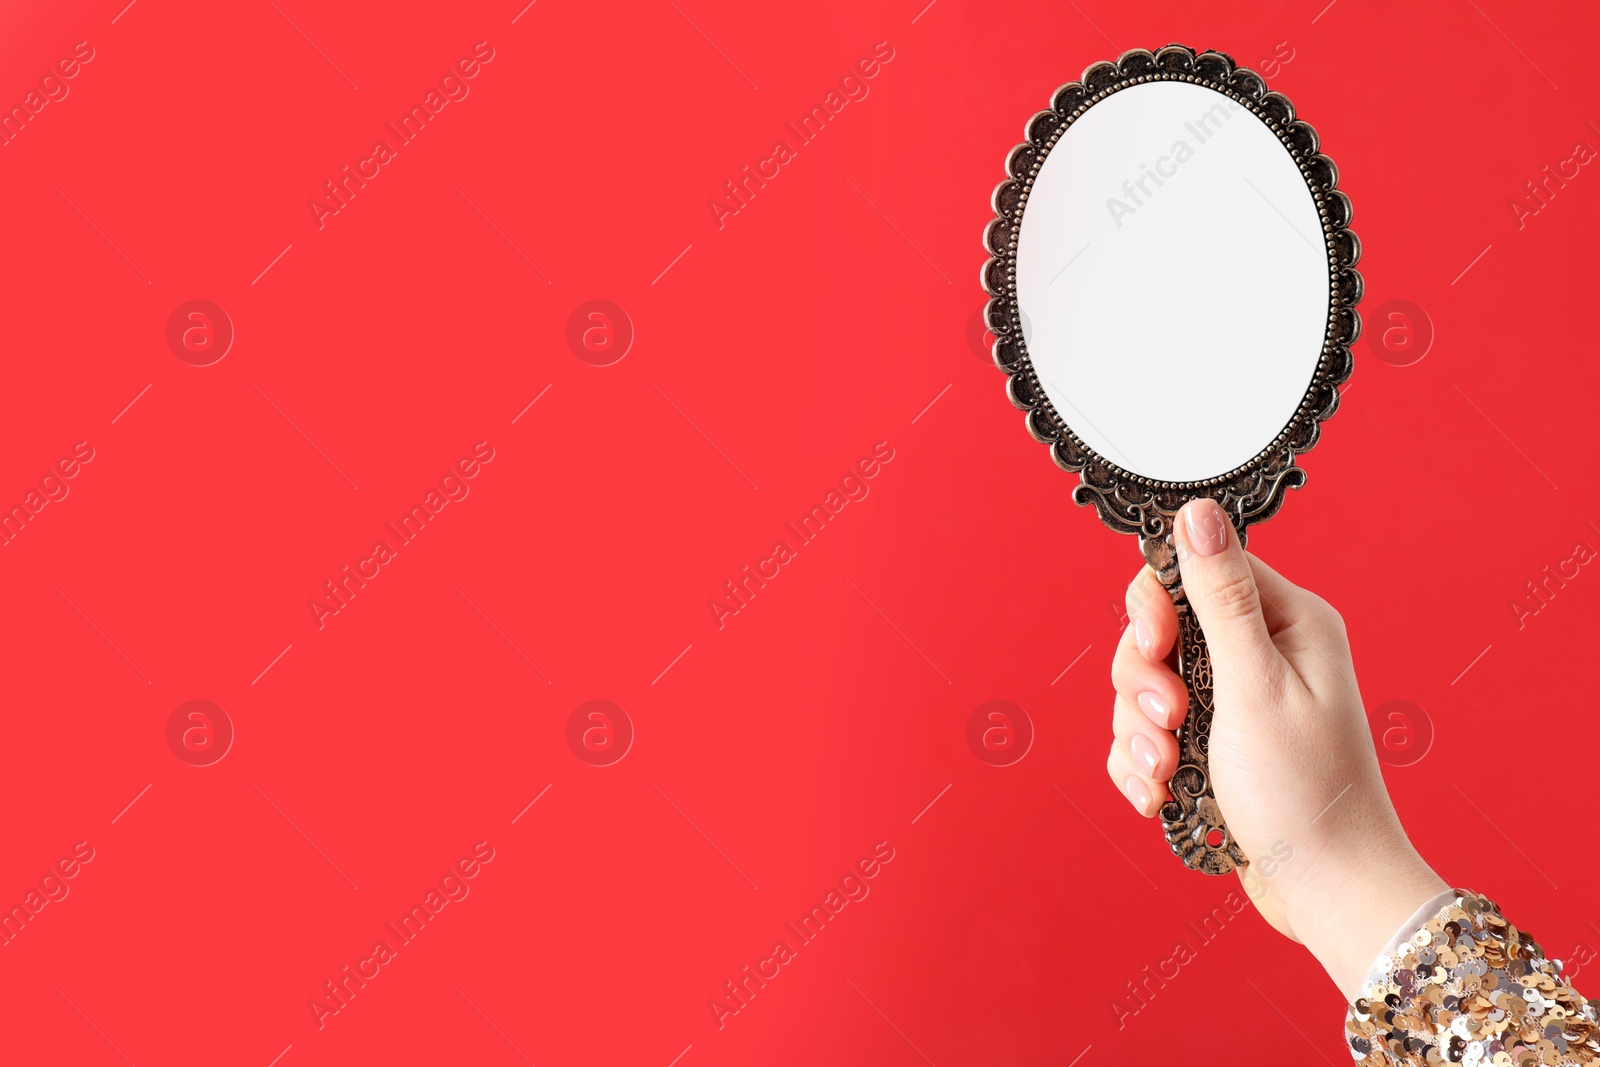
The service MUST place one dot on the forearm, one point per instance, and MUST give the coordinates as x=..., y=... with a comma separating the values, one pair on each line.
x=1356, y=908
x=1436, y=975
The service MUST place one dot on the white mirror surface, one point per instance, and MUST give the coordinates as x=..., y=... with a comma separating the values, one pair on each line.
x=1173, y=281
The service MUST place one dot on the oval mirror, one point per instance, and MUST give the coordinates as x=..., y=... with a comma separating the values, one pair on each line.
x=1173, y=296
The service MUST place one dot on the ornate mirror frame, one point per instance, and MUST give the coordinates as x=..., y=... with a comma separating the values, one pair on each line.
x=1132, y=503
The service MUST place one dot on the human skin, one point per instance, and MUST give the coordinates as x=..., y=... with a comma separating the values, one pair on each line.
x=1291, y=757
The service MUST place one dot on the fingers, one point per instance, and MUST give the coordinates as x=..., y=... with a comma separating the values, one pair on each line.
x=1142, y=759
x=1145, y=794
x=1151, y=616
x=1149, y=685
x=1152, y=752
x=1151, y=699
x=1223, y=589
x=1151, y=702
x=1138, y=670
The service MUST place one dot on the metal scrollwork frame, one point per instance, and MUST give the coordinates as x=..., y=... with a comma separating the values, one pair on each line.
x=1129, y=502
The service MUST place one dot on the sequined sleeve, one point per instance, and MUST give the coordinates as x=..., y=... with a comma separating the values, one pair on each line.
x=1470, y=988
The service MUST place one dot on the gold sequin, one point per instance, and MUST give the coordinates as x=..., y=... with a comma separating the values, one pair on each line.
x=1470, y=988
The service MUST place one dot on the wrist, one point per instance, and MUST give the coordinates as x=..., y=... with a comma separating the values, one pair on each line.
x=1347, y=912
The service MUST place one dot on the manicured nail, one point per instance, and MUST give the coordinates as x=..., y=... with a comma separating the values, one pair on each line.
x=1143, y=637
x=1153, y=706
x=1144, y=753
x=1208, y=528
x=1137, y=796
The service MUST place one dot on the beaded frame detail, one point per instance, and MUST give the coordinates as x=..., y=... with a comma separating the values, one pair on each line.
x=1128, y=502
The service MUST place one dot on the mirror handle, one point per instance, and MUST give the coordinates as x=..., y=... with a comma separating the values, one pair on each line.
x=1193, y=823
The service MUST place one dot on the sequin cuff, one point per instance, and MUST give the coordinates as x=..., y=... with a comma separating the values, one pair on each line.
x=1467, y=987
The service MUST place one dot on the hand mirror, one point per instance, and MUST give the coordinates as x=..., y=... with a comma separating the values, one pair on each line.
x=1173, y=293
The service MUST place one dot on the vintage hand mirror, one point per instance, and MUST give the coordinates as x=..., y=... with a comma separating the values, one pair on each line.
x=1173, y=293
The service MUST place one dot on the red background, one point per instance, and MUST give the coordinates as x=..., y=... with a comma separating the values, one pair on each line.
x=827, y=714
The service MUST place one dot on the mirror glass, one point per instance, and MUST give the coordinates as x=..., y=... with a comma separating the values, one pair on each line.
x=1173, y=281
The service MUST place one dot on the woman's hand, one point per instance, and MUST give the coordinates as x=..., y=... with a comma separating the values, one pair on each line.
x=1291, y=757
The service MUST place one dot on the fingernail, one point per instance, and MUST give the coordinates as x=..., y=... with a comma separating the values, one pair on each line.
x=1154, y=707
x=1143, y=637
x=1137, y=796
x=1208, y=528
x=1144, y=753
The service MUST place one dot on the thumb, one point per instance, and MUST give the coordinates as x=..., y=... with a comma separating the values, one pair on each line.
x=1222, y=590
